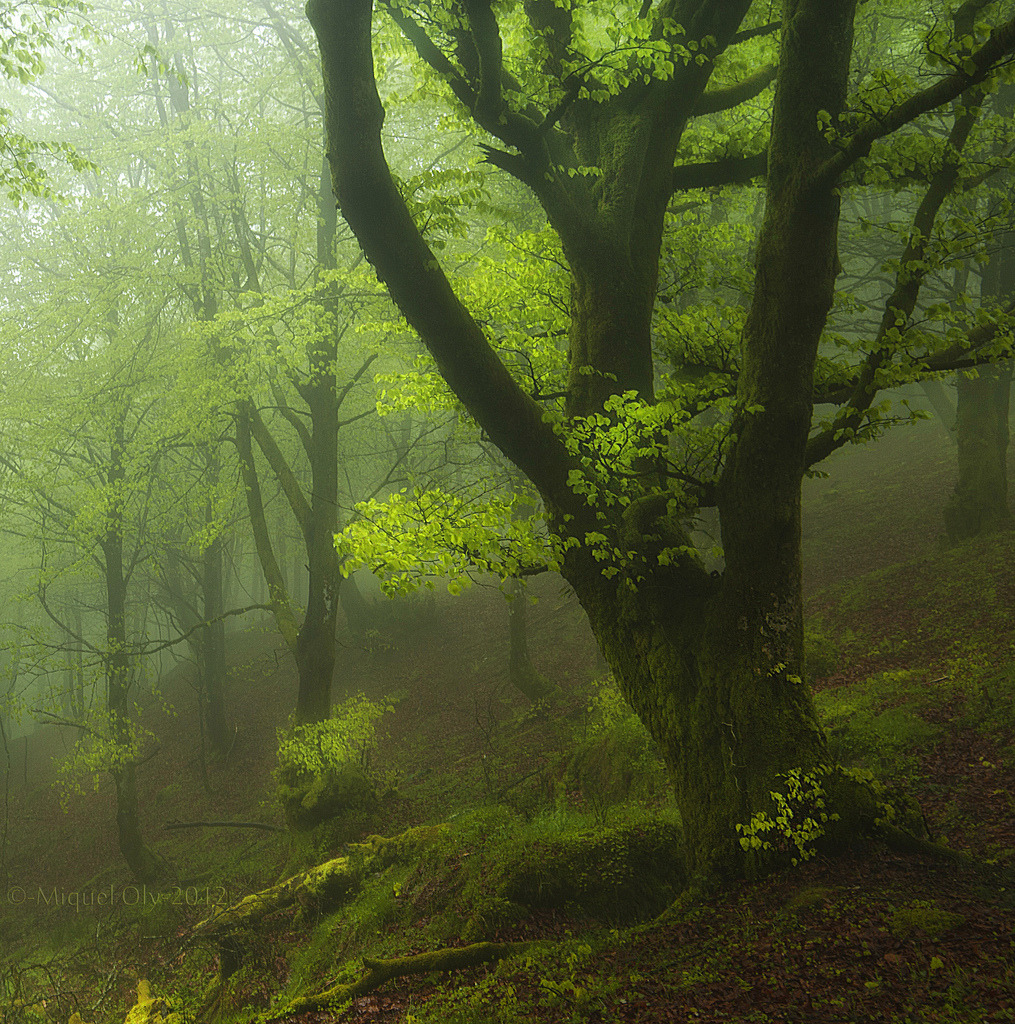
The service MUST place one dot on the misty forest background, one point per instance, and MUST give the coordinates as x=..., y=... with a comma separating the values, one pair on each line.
x=513, y=492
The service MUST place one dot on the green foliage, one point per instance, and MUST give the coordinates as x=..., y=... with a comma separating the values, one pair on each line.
x=612, y=758
x=101, y=750
x=617, y=873
x=798, y=819
x=821, y=654
x=322, y=779
x=863, y=731
x=27, y=32
x=343, y=740
x=923, y=916
x=408, y=538
x=558, y=980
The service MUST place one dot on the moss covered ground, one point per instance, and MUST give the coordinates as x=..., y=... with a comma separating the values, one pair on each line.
x=551, y=829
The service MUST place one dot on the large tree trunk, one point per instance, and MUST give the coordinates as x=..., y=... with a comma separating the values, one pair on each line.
x=712, y=668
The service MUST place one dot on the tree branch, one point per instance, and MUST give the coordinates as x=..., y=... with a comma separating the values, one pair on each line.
x=280, y=604
x=376, y=212
x=713, y=101
x=731, y=170
x=282, y=470
x=171, y=825
x=486, y=37
x=379, y=971
x=899, y=306
x=983, y=61
x=753, y=33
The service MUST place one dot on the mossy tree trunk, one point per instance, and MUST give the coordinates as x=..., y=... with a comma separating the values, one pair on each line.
x=712, y=666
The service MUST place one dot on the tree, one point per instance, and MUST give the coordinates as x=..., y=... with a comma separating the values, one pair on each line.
x=979, y=503
x=27, y=32
x=80, y=455
x=713, y=665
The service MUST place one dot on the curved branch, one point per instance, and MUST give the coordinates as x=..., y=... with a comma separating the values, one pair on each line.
x=376, y=212
x=715, y=100
x=380, y=971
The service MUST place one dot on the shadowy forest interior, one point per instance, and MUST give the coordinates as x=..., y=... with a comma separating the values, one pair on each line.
x=504, y=511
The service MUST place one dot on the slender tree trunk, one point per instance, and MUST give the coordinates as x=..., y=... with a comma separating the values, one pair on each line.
x=979, y=503
x=143, y=864
x=315, y=643
x=278, y=593
x=213, y=645
x=522, y=672
x=359, y=612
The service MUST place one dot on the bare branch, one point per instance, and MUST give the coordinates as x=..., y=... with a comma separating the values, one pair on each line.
x=733, y=170
x=713, y=101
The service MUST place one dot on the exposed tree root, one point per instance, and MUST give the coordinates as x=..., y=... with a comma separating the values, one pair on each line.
x=380, y=971
x=905, y=842
x=997, y=874
x=264, y=826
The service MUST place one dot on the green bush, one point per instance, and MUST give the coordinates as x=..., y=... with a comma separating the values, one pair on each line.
x=821, y=654
x=322, y=774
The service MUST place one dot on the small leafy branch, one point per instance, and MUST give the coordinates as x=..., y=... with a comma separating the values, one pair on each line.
x=99, y=751
x=342, y=740
x=801, y=817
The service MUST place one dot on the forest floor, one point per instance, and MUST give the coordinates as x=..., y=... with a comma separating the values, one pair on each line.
x=917, y=682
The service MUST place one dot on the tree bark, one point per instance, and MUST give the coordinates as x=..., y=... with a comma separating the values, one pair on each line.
x=213, y=644
x=979, y=504
x=523, y=674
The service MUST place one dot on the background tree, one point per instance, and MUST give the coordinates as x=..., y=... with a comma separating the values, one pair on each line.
x=979, y=503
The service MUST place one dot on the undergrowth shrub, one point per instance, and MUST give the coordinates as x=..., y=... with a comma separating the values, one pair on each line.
x=822, y=655
x=863, y=732
x=323, y=772
x=612, y=758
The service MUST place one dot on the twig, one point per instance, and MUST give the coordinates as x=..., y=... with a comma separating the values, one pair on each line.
x=169, y=825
